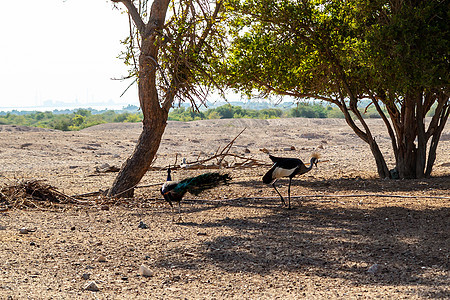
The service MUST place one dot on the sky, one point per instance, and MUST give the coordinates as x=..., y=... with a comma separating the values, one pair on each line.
x=62, y=51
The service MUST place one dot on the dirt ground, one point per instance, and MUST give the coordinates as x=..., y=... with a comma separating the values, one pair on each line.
x=350, y=235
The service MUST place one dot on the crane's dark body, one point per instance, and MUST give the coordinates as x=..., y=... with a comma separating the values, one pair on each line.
x=173, y=191
x=287, y=167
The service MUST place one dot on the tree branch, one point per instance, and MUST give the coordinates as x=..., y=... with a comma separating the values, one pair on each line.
x=386, y=122
x=132, y=10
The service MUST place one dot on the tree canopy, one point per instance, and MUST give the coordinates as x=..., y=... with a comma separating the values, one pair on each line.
x=394, y=53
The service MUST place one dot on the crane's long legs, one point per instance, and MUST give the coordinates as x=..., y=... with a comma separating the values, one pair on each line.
x=282, y=199
x=289, y=193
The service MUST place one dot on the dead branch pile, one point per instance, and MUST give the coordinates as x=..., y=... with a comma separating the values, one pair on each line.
x=31, y=193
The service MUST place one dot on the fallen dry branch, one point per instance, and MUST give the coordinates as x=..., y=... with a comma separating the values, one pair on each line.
x=220, y=160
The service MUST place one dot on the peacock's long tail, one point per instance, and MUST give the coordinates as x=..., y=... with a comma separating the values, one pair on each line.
x=200, y=183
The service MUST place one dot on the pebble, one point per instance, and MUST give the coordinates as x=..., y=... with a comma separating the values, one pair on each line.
x=23, y=230
x=85, y=276
x=373, y=269
x=91, y=286
x=142, y=225
x=145, y=271
x=101, y=258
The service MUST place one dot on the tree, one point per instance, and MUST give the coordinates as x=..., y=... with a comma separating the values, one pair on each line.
x=169, y=58
x=394, y=53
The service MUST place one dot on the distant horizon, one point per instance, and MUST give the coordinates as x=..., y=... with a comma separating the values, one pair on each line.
x=57, y=105
x=68, y=106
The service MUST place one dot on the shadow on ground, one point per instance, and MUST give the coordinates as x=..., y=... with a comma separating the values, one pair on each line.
x=371, y=185
x=408, y=246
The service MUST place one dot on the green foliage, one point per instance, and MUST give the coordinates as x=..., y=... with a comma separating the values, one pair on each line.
x=185, y=114
x=309, y=111
x=84, y=118
x=227, y=111
x=81, y=118
x=337, y=50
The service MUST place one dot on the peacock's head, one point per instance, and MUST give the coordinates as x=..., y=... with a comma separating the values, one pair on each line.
x=169, y=178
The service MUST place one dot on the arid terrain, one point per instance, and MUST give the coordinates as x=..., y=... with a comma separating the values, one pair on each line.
x=350, y=235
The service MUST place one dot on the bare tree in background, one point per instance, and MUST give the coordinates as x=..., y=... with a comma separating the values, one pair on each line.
x=169, y=50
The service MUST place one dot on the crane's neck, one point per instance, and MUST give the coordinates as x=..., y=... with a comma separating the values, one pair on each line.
x=311, y=163
x=169, y=178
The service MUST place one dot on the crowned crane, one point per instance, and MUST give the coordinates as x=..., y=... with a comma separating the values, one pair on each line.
x=173, y=191
x=287, y=167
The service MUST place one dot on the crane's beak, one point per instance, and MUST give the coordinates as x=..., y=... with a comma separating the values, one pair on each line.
x=316, y=162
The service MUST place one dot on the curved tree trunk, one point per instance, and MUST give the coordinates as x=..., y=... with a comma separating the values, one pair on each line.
x=154, y=124
x=366, y=136
x=135, y=167
x=411, y=158
x=435, y=129
x=155, y=111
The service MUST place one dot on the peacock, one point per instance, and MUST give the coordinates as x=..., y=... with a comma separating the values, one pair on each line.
x=173, y=191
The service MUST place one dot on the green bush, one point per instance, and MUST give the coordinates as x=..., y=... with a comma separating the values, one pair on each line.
x=83, y=118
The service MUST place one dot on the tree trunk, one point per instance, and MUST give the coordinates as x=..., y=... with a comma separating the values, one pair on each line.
x=135, y=167
x=154, y=124
x=382, y=169
x=435, y=129
x=412, y=159
x=407, y=151
x=421, y=155
x=155, y=112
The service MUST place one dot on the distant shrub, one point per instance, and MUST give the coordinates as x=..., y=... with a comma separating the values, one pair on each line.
x=82, y=118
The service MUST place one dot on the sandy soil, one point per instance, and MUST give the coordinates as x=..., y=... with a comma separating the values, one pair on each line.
x=345, y=238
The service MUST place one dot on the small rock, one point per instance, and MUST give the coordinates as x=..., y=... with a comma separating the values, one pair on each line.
x=105, y=168
x=201, y=233
x=104, y=207
x=373, y=269
x=91, y=286
x=142, y=225
x=190, y=254
x=101, y=258
x=72, y=228
x=264, y=150
x=247, y=150
x=320, y=147
x=23, y=230
x=85, y=276
x=145, y=271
